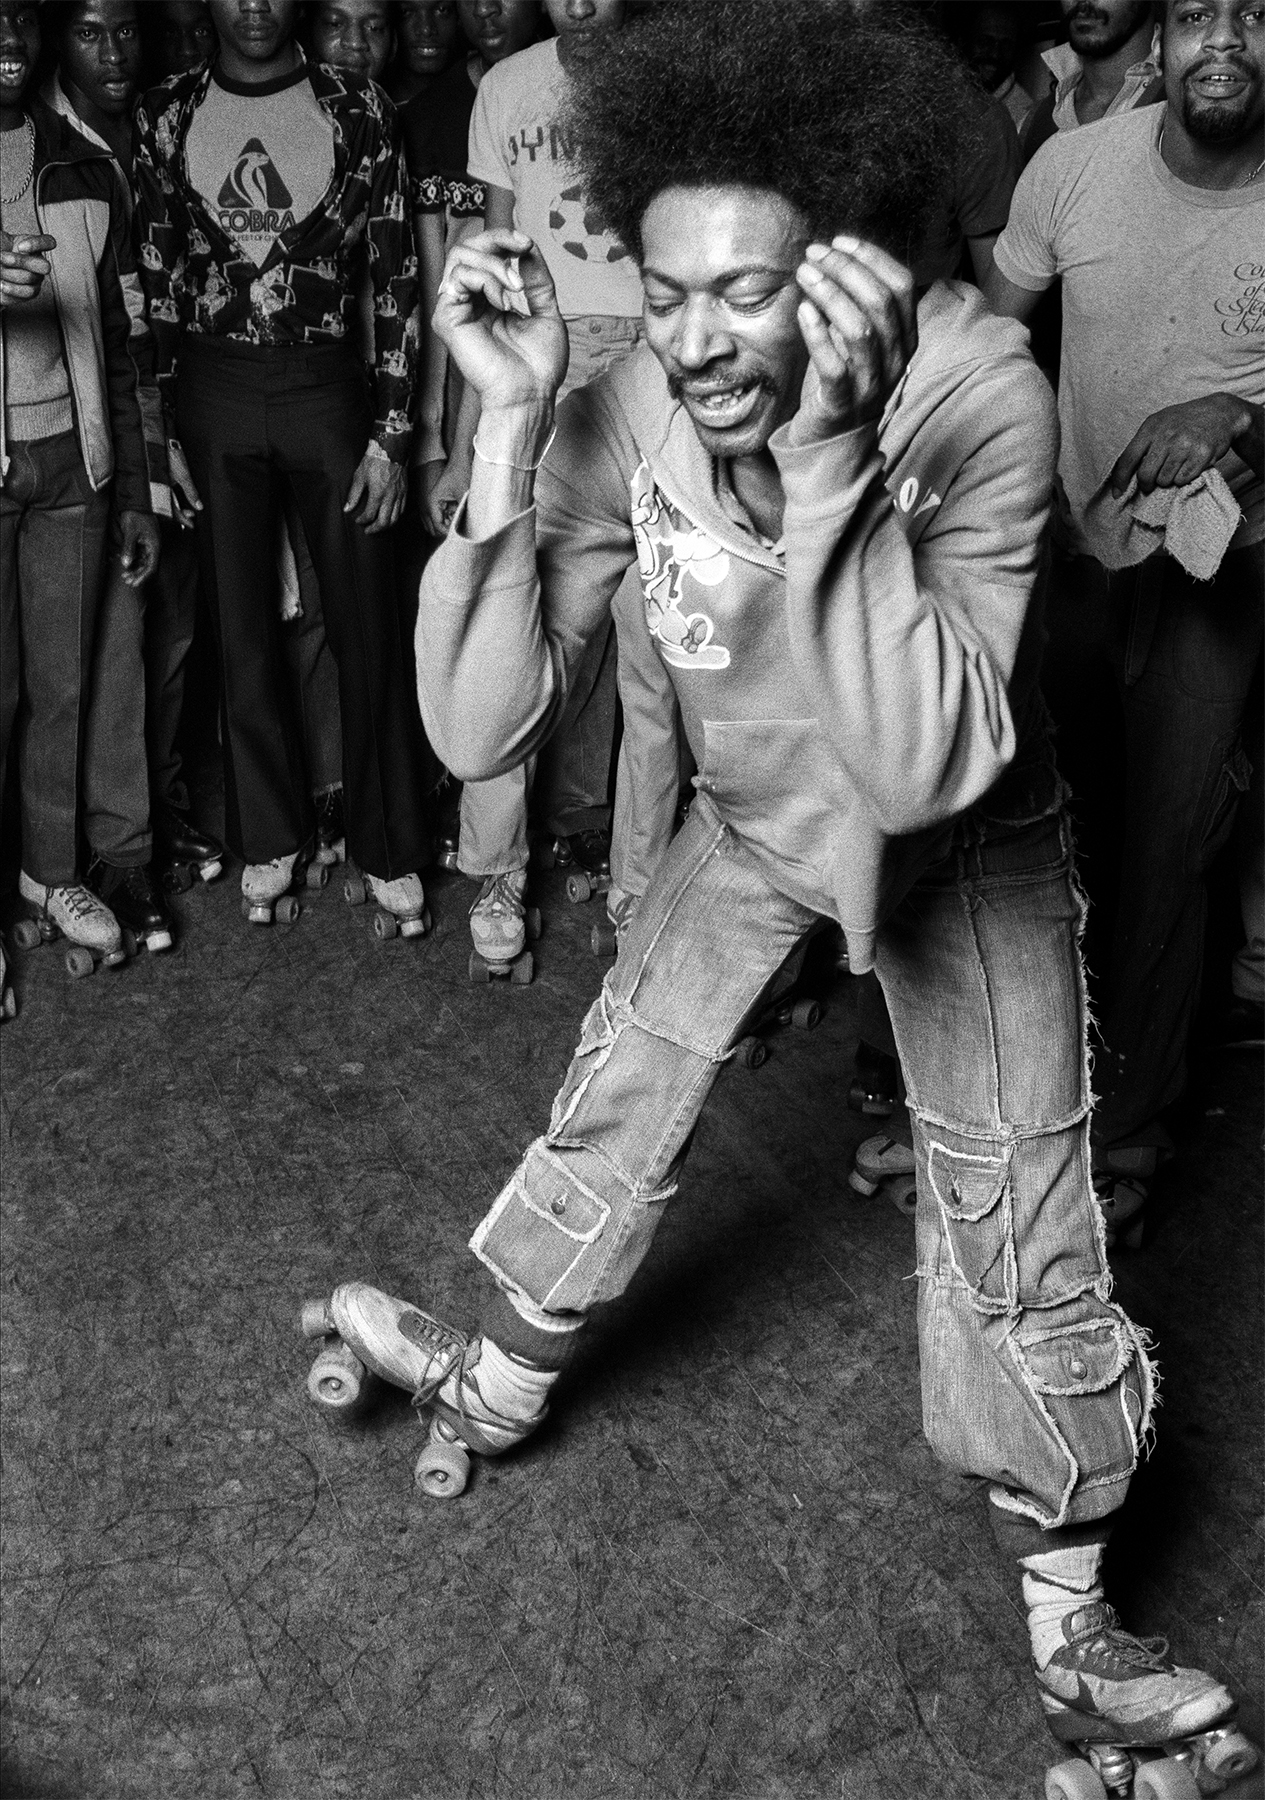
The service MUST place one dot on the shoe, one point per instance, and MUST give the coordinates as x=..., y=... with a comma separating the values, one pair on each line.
x=588, y=850
x=78, y=915
x=262, y=883
x=181, y=843
x=331, y=831
x=1122, y=1178
x=405, y=896
x=1240, y=1027
x=434, y=1362
x=498, y=918
x=135, y=902
x=1106, y=1686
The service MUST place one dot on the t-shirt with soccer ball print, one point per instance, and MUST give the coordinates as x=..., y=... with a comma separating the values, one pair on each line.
x=515, y=144
x=261, y=157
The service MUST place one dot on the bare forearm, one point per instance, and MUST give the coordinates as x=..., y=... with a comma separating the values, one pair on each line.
x=1250, y=443
x=503, y=471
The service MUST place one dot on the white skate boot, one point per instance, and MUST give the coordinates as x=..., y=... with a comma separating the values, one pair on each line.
x=886, y=1165
x=500, y=924
x=266, y=891
x=75, y=913
x=401, y=906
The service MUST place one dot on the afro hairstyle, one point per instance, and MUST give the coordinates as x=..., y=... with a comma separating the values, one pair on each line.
x=856, y=111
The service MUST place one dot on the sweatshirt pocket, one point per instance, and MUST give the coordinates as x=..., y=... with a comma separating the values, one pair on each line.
x=775, y=781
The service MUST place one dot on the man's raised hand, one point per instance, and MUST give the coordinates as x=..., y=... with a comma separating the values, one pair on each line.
x=859, y=319
x=498, y=315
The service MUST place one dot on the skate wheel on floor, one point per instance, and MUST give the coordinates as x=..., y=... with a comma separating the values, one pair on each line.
x=417, y=926
x=317, y=875
x=288, y=909
x=158, y=941
x=531, y=922
x=209, y=871
x=316, y=1319
x=442, y=1470
x=903, y=1194
x=448, y=857
x=79, y=963
x=1164, y=1780
x=480, y=971
x=355, y=892
x=860, y=1184
x=178, y=878
x=27, y=935
x=604, y=940
x=806, y=1015
x=1074, y=1781
x=579, y=888
x=522, y=969
x=129, y=941
x=872, y=1105
x=1227, y=1754
x=337, y=1382
x=753, y=1052
x=8, y=1004
x=385, y=925
x=257, y=912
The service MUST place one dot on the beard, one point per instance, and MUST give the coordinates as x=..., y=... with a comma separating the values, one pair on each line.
x=1096, y=46
x=1219, y=121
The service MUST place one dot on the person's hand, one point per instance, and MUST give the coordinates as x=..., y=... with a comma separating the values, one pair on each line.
x=185, y=500
x=377, y=493
x=443, y=485
x=23, y=266
x=1178, y=443
x=497, y=313
x=859, y=319
x=139, y=547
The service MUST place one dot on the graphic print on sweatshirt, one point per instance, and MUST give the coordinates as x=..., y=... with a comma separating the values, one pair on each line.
x=671, y=553
x=261, y=161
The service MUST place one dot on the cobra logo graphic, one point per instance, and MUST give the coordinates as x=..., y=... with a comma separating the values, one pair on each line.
x=254, y=198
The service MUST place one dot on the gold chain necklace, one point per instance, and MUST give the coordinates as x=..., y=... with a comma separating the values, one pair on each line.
x=1247, y=180
x=11, y=199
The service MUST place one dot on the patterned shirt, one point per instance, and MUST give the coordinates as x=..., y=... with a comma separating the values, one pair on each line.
x=436, y=127
x=198, y=278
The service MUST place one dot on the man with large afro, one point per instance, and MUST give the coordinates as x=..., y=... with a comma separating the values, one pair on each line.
x=835, y=489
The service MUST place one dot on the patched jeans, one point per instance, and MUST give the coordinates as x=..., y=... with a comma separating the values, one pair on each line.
x=1032, y=1378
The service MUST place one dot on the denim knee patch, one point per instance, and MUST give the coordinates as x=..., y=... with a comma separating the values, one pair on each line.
x=976, y=1213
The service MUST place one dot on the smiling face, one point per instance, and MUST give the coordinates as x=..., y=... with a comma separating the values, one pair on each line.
x=720, y=303
x=19, y=52
x=1214, y=67
x=429, y=30
x=354, y=35
x=99, y=56
x=499, y=28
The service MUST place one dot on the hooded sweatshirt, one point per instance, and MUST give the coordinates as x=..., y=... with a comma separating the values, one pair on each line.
x=847, y=693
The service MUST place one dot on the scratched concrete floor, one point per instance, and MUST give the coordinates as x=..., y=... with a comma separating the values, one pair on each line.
x=730, y=1567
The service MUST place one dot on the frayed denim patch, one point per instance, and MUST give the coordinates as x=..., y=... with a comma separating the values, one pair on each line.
x=973, y=1194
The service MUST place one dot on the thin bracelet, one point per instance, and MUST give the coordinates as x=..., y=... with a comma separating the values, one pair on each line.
x=523, y=468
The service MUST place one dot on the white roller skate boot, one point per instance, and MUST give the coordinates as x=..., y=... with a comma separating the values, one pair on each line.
x=886, y=1165
x=1127, y=1707
x=398, y=1342
x=266, y=891
x=607, y=935
x=75, y=913
x=499, y=928
x=401, y=906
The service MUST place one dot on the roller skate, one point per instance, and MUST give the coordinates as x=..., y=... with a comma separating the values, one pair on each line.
x=780, y=1007
x=402, y=909
x=884, y=1165
x=608, y=933
x=875, y=1090
x=587, y=857
x=500, y=924
x=74, y=912
x=331, y=831
x=184, y=853
x=368, y=1333
x=1141, y=1725
x=8, y=1000
x=266, y=888
x=136, y=903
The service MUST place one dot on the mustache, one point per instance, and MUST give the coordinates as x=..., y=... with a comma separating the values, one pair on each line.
x=1086, y=10
x=679, y=387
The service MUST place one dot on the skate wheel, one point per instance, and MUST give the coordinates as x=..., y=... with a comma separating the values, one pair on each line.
x=522, y=969
x=1164, y=1780
x=531, y=922
x=317, y=875
x=806, y=1015
x=753, y=1052
x=27, y=935
x=1227, y=1754
x=355, y=892
x=288, y=909
x=79, y=963
x=178, y=879
x=480, y=971
x=860, y=1185
x=210, y=870
x=129, y=941
x=904, y=1196
x=417, y=926
x=8, y=1004
x=257, y=912
x=872, y=1105
x=579, y=888
x=159, y=940
x=337, y=1382
x=604, y=940
x=442, y=1470
x=316, y=1320
x=1074, y=1781
x=385, y=925
x=448, y=857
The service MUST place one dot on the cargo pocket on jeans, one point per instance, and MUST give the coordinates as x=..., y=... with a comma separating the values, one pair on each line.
x=540, y=1229
x=973, y=1194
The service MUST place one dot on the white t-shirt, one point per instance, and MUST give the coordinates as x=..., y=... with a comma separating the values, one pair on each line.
x=515, y=144
x=1163, y=294
x=261, y=157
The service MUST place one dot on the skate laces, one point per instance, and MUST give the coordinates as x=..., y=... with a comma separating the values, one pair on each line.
x=501, y=895
x=78, y=902
x=444, y=1349
x=1105, y=1637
